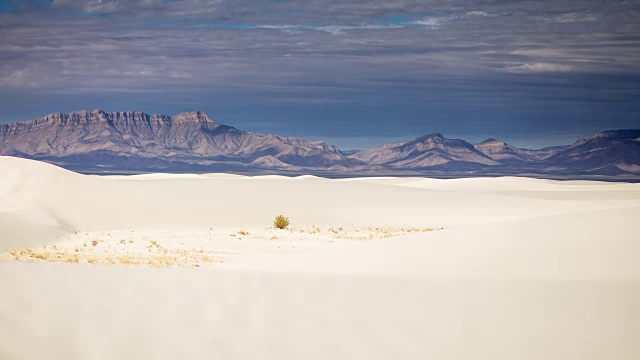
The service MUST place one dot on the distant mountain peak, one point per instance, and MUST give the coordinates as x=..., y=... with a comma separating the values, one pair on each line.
x=622, y=134
x=192, y=116
x=507, y=153
x=426, y=151
x=430, y=136
x=435, y=138
x=609, y=153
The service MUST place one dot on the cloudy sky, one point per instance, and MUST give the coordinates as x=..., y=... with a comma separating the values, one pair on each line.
x=353, y=73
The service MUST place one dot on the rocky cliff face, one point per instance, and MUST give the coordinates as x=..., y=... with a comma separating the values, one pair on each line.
x=188, y=137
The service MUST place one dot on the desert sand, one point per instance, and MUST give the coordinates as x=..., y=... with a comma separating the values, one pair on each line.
x=166, y=266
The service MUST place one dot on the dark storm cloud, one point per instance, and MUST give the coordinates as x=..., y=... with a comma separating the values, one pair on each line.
x=336, y=69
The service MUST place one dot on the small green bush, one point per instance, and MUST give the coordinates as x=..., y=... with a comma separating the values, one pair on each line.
x=281, y=222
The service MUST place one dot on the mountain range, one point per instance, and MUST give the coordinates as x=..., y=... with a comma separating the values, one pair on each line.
x=95, y=140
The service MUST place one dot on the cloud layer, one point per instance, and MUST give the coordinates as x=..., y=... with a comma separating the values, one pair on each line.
x=328, y=68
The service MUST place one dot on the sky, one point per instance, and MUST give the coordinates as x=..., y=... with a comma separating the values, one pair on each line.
x=356, y=74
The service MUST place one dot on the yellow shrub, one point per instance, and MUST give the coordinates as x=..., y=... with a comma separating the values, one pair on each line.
x=281, y=222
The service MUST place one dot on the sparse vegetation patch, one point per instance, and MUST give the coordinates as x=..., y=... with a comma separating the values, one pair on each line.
x=196, y=248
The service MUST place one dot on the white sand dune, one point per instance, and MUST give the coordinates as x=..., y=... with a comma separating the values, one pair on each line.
x=44, y=194
x=524, y=269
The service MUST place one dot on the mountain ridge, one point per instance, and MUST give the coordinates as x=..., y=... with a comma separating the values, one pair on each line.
x=190, y=137
x=134, y=140
x=426, y=151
